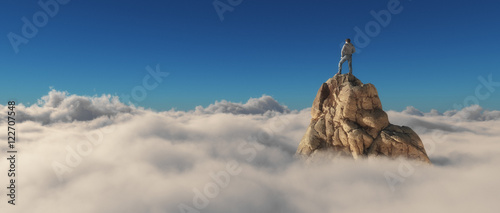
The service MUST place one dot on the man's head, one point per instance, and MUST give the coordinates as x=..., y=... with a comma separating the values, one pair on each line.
x=348, y=40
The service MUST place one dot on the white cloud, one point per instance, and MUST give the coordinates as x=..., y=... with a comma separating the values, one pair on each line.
x=470, y=113
x=410, y=110
x=253, y=106
x=151, y=161
x=449, y=121
x=60, y=106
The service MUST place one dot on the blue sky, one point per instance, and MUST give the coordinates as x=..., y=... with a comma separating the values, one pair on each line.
x=429, y=55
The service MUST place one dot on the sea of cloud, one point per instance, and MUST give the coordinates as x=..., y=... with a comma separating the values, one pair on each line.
x=85, y=154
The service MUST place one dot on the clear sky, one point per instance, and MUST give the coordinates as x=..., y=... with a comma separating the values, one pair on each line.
x=428, y=55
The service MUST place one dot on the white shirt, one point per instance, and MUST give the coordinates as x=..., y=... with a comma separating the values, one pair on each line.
x=348, y=49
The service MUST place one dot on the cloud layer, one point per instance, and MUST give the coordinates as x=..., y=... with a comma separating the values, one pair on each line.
x=95, y=154
x=59, y=106
x=253, y=106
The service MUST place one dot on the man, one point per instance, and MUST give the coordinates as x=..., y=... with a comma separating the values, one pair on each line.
x=346, y=54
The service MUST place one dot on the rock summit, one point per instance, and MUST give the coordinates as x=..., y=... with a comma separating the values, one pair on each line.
x=348, y=120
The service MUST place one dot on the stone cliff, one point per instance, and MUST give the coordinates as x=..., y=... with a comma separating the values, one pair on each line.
x=348, y=120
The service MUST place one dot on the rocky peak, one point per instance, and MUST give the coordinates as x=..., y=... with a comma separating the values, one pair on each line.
x=347, y=119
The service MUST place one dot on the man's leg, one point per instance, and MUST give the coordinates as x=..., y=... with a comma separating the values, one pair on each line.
x=342, y=60
x=350, y=64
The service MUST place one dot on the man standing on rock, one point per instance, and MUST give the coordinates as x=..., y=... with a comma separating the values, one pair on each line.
x=346, y=54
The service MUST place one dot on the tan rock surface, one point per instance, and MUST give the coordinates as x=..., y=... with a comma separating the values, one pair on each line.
x=348, y=120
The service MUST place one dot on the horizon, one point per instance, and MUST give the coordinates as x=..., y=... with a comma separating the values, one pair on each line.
x=60, y=100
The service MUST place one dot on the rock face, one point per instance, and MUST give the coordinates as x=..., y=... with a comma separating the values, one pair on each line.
x=348, y=120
